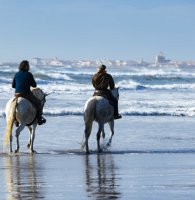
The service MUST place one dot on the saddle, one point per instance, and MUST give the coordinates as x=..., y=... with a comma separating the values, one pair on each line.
x=17, y=95
x=105, y=94
x=102, y=93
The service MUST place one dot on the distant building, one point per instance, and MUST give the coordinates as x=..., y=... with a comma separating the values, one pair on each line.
x=161, y=60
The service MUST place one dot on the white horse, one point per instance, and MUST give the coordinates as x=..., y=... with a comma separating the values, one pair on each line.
x=98, y=109
x=24, y=112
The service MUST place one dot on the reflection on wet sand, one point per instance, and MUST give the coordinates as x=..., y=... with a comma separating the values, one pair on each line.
x=22, y=179
x=101, y=178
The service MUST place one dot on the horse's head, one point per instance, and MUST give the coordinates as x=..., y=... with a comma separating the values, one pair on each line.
x=39, y=94
x=115, y=93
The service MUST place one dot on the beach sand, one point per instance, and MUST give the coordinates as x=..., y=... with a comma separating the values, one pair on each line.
x=150, y=158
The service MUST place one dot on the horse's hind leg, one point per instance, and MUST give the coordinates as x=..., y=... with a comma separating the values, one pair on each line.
x=18, y=130
x=87, y=134
x=86, y=146
x=29, y=142
x=111, y=124
x=10, y=141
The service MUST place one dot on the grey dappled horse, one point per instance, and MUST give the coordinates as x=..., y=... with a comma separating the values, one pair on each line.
x=98, y=109
x=25, y=113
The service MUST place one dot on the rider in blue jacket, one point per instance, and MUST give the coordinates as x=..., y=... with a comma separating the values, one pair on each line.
x=22, y=82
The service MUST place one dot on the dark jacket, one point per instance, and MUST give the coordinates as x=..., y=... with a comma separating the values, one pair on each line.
x=103, y=81
x=22, y=82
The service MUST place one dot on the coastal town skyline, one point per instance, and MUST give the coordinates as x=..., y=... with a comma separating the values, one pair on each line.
x=160, y=60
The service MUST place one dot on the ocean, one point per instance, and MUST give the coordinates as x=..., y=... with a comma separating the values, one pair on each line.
x=144, y=91
x=152, y=155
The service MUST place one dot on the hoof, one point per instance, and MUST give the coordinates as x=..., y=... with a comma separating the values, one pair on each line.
x=87, y=152
x=108, y=144
x=16, y=151
x=28, y=146
x=100, y=150
x=33, y=152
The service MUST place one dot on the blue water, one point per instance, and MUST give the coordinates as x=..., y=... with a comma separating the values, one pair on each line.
x=145, y=91
x=152, y=152
x=151, y=157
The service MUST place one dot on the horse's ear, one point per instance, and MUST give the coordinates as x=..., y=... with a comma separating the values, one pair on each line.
x=47, y=94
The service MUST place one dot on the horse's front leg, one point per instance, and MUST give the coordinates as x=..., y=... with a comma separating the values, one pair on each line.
x=111, y=124
x=32, y=137
x=18, y=130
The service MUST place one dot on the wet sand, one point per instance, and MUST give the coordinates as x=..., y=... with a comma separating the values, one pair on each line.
x=98, y=176
x=60, y=170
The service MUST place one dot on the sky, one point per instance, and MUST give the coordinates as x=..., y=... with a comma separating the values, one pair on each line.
x=97, y=29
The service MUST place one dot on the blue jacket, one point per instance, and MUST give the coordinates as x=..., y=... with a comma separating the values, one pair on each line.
x=22, y=82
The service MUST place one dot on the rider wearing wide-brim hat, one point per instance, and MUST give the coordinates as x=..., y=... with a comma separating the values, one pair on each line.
x=103, y=84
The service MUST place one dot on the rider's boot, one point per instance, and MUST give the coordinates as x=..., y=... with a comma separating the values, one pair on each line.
x=41, y=120
x=116, y=114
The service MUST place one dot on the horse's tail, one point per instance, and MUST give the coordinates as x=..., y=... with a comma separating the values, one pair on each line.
x=10, y=117
x=89, y=116
x=89, y=113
